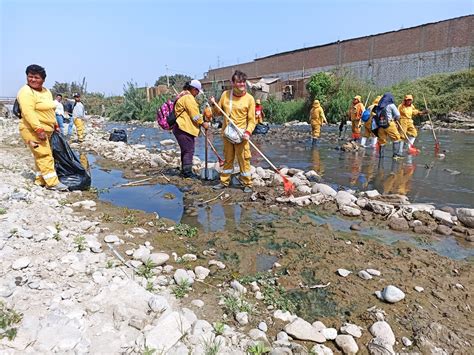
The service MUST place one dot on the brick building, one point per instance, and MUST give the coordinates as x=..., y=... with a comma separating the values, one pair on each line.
x=384, y=59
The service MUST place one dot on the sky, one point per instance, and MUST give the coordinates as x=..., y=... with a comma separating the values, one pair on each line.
x=113, y=42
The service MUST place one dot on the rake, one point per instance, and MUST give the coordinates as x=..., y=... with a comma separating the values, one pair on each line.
x=412, y=150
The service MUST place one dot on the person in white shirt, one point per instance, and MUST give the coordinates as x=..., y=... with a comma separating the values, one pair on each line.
x=59, y=111
x=78, y=114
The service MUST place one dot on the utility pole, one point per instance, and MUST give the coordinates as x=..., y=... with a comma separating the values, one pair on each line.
x=218, y=61
x=167, y=77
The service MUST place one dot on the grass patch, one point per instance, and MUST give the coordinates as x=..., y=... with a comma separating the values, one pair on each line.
x=146, y=270
x=235, y=304
x=181, y=289
x=80, y=243
x=9, y=318
x=3, y=210
x=258, y=349
x=185, y=230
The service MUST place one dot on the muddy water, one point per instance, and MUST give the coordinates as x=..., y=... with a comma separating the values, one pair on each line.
x=448, y=181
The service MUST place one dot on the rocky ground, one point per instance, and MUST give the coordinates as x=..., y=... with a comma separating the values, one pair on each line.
x=83, y=276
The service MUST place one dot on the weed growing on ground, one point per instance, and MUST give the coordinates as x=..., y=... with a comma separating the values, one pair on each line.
x=146, y=270
x=8, y=319
x=211, y=347
x=80, y=243
x=150, y=287
x=129, y=218
x=258, y=349
x=185, y=230
x=107, y=218
x=97, y=191
x=235, y=304
x=110, y=264
x=219, y=328
x=148, y=351
x=58, y=229
x=3, y=210
x=181, y=289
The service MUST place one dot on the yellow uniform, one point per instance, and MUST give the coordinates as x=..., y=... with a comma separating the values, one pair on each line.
x=317, y=119
x=37, y=112
x=355, y=114
x=243, y=115
x=406, y=119
x=188, y=117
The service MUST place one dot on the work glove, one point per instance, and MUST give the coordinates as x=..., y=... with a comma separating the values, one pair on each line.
x=41, y=134
x=207, y=113
x=246, y=135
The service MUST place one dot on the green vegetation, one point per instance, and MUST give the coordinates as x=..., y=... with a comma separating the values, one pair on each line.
x=80, y=243
x=146, y=270
x=8, y=319
x=219, y=328
x=277, y=111
x=212, y=346
x=258, y=349
x=185, y=230
x=181, y=289
x=3, y=210
x=235, y=304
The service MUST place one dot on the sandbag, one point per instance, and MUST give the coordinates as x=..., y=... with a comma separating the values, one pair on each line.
x=118, y=135
x=261, y=129
x=68, y=166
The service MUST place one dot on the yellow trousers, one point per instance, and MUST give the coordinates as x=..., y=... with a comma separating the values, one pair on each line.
x=391, y=131
x=43, y=155
x=79, y=122
x=241, y=152
x=368, y=129
x=355, y=126
x=315, y=130
x=408, y=127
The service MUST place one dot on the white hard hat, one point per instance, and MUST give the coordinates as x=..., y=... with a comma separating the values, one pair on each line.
x=196, y=84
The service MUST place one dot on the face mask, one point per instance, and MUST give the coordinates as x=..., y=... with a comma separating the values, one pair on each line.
x=238, y=90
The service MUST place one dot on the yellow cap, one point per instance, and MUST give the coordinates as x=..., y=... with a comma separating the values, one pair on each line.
x=377, y=99
x=408, y=97
x=257, y=101
x=316, y=102
x=357, y=97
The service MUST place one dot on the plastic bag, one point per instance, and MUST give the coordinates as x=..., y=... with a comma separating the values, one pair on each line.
x=261, y=129
x=67, y=165
x=233, y=134
x=118, y=135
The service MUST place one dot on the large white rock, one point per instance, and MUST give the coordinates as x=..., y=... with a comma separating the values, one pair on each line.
x=201, y=272
x=158, y=304
x=383, y=331
x=345, y=198
x=329, y=333
x=349, y=211
x=392, y=294
x=320, y=349
x=142, y=253
x=158, y=259
x=111, y=238
x=371, y=193
x=236, y=285
x=167, y=332
x=466, y=216
x=303, y=330
x=284, y=316
x=347, y=344
x=444, y=217
x=351, y=329
x=181, y=276
x=381, y=208
x=21, y=263
x=326, y=190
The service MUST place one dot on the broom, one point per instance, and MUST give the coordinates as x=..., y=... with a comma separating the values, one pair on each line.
x=412, y=150
x=432, y=128
x=287, y=184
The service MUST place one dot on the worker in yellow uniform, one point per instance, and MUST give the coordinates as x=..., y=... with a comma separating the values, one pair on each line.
x=38, y=122
x=387, y=113
x=355, y=114
x=368, y=126
x=317, y=120
x=78, y=115
x=407, y=112
x=239, y=105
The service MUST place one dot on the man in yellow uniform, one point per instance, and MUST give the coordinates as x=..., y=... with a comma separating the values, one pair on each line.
x=38, y=122
x=407, y=112
x=388, y=114
x=317, y=120
x=355, y=114
x=239, y=105
x=368, y=126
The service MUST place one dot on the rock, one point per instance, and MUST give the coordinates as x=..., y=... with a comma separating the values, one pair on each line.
x=158, y=259
x=355, y=227
x=381, y=208
x=318, y=325
x=167, y=142
x=419, y=289
x=257, y=334
x=392, y=294
x=167, y=332
x=377, y=346
x=242, y=318
x=142, y=253
x=398, y=224
x=262, y=326
x=181, y=276
x=282, y=336
x=373, y=272
x=364, y=275
x=326, y=190
x=158, y=304
x=343, y=272
x=197, y=303
x=236, y=285
x=320, y=349
x=302, y=330
x=345, y=198
x=444, y=230
x=422, y=230
x=111, y=238
x=329, y=333
x=201, y=272
x=383, y=331
x=351, y=329
x=349, y=211
x=219, y=264
x=189, y=257
x=61, y=337
x=444, y=217
x=362, y=202
x=21, y=263
x=371, y=193
x=284, y=316
x=466, y=216
x=347, y=344
x=407, y=342
x=259, y=295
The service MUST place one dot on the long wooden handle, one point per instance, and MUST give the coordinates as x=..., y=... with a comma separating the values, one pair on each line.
x=429, y=117
x=403, y=131
x=251, y=143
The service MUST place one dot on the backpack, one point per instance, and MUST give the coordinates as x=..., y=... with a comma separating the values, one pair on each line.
x=16, y=109
x=366, y=115
x=381, y=119
x=166, y=115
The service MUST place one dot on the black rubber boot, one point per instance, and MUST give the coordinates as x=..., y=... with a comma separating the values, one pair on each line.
x=315, y=142
x=381, y=151
x=187, y=172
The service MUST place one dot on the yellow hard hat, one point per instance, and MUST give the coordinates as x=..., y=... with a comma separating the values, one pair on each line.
x=408, y=97
x=358, y=97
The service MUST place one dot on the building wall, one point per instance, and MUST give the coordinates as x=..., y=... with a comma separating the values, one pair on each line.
x=385, y=59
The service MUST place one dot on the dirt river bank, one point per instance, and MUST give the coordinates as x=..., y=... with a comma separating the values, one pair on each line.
x=224, y=289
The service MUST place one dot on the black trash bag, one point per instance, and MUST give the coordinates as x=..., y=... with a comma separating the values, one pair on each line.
x=68, y=166
x=118, y=135
x=261, y=129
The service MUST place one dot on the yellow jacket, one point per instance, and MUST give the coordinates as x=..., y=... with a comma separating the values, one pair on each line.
x=317, y=114
x=187, y=112
x=407, y=112
x=37, y=109
x=243, y=110
x=355, y=111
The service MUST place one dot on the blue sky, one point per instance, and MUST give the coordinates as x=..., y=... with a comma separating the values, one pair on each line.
x=112, y=42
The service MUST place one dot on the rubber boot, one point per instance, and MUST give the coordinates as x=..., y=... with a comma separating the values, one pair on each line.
x=400, y=150
x=363, y=141
x=396, y=150
x=187, y=172
x=411, y=140
x=381, y=151
x=314, y=142
x=373, y=143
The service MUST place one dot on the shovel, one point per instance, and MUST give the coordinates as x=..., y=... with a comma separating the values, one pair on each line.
x=411, y=148
x=432, y=128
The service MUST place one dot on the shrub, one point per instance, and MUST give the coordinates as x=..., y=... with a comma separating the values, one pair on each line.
x=283, y=111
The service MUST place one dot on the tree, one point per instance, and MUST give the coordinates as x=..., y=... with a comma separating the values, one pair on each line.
x=176, y=80
x=69, y=89
x=318, y=86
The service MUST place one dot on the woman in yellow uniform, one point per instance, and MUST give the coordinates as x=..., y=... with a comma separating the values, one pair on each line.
x=317, y=120
x=239, y=105
x=38, y=122
x=407, y=112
